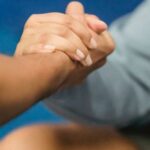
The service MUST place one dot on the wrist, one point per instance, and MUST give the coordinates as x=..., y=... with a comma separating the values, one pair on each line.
x=47, y=71
x=57, y=69
x=53, y=69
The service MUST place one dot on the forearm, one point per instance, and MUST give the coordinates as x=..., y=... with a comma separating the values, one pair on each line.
x=26, y=79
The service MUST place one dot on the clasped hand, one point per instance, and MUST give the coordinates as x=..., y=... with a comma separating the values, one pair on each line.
x=82, y=37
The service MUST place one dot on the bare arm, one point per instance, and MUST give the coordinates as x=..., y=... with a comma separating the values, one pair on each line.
x=26, y=79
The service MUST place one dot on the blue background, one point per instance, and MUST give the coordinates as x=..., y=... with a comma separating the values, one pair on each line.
x=13, y=16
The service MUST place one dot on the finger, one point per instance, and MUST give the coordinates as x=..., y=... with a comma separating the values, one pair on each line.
x=63, y=45
x=60, y=30
x=97, y=27
x=26, y=46
x=104, y=48
x=97, y=65
x=76, y=10
x=96, y=24
x=77, y=27
x=40, y=48
x=106, y=43
x=18, y=51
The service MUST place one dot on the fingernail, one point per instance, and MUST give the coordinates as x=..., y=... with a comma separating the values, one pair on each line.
x=101, y=23
x=88, y=60
x=48, y=47
x=93, y=44
x=80, y=54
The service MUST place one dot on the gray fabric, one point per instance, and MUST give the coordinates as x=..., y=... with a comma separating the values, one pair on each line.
x=119, y=93
x=142, y=141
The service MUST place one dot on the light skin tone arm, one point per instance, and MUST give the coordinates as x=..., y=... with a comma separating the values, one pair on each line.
x=22, y=85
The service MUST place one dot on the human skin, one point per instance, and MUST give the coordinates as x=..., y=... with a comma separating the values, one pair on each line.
x=39, y=27
x=45, y=30
x=20, y=76
x=74, y=30
x=22, y=85
x=66, y=137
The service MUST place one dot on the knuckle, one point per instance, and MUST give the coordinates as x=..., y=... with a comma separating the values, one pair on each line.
x=64, y=31
x=30, y=25
x=27, y=24
x=30, y=22
x=43, y=38
x=33, y=17
x=86, y=36
x=68, y=20
x=27, y=31
x=111, y=46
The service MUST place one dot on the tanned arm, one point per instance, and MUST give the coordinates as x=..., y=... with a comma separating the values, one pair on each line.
x=24, y=80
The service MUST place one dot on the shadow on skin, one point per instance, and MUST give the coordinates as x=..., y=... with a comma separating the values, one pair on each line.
x=66, y=137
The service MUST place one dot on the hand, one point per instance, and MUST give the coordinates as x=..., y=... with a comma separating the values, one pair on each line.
x=47, y=33
x=105, y=44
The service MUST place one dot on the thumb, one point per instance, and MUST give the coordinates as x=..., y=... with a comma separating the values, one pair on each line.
x=76, y=10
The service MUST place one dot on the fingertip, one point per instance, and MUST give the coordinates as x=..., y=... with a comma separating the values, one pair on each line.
x=80, y=54
x=98, y=26
x=85, y=60
x=88, y=61
x=102, y=24
x=75, y=7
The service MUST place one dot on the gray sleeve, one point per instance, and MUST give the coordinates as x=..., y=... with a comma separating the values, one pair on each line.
x=119, y=93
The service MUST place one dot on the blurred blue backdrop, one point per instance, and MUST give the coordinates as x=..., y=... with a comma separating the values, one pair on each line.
x=13, y=16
